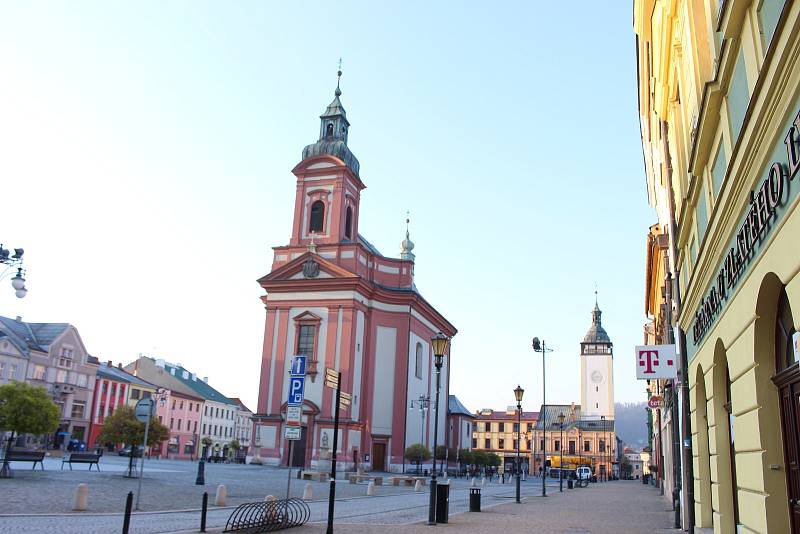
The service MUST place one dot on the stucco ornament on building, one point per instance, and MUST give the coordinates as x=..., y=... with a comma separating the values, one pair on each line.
x=310, y=268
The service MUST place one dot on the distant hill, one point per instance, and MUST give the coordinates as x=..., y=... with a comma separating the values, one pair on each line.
x=631, y=421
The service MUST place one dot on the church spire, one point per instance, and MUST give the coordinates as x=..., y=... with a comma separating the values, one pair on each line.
x=406, y=246
x=334, y=129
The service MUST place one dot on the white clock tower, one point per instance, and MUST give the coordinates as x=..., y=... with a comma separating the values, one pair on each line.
x=597, y=371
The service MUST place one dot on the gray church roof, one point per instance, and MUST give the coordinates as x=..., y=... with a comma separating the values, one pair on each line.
x=454, y=406
x=332, y=147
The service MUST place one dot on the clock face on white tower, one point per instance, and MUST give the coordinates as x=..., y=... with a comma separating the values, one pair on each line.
x=597, y=371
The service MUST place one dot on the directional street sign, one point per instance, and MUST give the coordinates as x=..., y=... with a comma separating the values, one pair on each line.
x=345, y=396
x=298, y=367
x=144, y=410
x=292, y=432
x=294, y=415
x=296, y=388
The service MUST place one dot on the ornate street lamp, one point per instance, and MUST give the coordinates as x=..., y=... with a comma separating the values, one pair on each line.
x=15, y=260
x=561, y=450
x=518, y=392
x=539, y=346
x=440, y=344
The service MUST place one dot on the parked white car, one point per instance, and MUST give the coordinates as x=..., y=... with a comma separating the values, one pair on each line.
x=584, y=472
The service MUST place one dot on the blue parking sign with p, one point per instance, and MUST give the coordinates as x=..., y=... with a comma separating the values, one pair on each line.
x=296, y=386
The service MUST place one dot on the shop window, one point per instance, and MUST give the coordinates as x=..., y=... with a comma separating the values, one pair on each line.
x=317, y=217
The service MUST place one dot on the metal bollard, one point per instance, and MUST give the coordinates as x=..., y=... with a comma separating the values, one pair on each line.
x=126, y=521
x=204, y=512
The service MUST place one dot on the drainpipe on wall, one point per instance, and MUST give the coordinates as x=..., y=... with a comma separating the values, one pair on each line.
x=687, y=468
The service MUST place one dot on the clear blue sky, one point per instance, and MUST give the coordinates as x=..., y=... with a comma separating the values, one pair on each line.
x=146, y=150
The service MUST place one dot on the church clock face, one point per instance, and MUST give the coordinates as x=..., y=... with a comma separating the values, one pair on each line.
x=597, y=377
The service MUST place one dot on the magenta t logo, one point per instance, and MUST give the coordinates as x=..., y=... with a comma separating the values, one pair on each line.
x=648, y=359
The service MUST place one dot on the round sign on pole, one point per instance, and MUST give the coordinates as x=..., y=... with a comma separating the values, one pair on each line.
x=144, y=410
x=655, y=402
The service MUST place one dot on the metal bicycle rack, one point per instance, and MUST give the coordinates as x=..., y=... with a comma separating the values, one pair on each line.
x=268, y=516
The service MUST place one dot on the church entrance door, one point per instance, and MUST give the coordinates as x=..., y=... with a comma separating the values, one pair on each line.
x=299, y=449
x=379, y=457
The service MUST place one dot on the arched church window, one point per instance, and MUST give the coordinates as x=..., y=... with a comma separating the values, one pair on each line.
x=418, y=362
x=329, y=129
x=317, y=216
x=784, y=330
x=348, y=223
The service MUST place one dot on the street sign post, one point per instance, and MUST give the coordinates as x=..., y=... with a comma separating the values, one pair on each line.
x=333, y=379
x=144, y=412
x=294, y=408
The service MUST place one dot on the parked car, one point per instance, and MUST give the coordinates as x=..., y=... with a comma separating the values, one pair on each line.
x=584, y=472
x=126, y=451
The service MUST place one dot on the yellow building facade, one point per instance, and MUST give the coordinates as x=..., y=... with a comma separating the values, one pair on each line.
x=719, y=103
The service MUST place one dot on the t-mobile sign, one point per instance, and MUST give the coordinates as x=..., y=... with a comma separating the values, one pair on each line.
x=656, y=361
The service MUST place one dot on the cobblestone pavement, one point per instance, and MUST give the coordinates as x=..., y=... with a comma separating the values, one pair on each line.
x=615, y=507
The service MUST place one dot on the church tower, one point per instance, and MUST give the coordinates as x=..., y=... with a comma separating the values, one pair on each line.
x=328, y=188
x=597, y=371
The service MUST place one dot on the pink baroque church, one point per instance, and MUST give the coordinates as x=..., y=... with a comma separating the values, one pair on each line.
x=334, y=298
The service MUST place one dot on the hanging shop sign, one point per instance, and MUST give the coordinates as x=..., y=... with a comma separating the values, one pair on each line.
x=759, y=220
x=656, y=361
x=656, y=401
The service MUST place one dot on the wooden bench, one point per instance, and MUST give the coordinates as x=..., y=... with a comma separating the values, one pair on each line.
x=26, y=456
x=408, y=481
x=314, y=475
x=355, y=479
x=82, y=458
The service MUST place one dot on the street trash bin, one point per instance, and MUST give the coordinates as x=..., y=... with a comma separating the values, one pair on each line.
x=570, y=484
x=474, y=499
x=442, y=502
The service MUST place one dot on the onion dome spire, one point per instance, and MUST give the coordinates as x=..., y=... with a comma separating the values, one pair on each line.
x=406, y=246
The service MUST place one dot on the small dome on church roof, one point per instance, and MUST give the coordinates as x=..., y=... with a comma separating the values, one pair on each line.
x=596, y=333
x=332, y=147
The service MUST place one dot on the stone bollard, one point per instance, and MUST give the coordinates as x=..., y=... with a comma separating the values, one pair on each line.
x=222, y=496
x=418, y=486
x=371, y=489
x=308, y=493
x=472, y=483
x=483, y=482
x=81, y=498
x=270, y=498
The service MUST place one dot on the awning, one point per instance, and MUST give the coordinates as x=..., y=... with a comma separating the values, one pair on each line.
x=190, y=443
x=173, y=441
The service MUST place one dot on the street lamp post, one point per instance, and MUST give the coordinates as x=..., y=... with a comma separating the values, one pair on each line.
x=561, y=450
x=540, y=347
x=605, y=448
x=423, y=402
x=518, y=392
x=15, y=260
x=440, y=344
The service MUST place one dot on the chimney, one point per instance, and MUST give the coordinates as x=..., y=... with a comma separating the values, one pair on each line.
x=205, y=379
x=119, y=365
x=110, y=363
x=19, y=318
x=160, y=363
